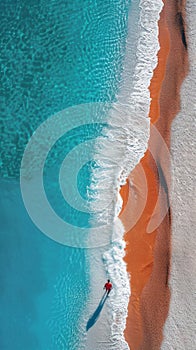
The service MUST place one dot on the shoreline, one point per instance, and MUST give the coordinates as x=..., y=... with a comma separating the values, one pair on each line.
x=148, y=255
x=118, y=155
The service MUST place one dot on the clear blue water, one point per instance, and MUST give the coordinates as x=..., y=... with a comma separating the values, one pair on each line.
x=54, y=54
x=53, y=163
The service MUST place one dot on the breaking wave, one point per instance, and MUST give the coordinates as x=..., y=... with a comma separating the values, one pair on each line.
x=122, y=145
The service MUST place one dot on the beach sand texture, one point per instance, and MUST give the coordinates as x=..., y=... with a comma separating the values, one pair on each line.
x=148, y=255
x=180, y=327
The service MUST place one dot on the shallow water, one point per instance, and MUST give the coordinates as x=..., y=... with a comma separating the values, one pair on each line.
x=57, y=55
x=53, y=55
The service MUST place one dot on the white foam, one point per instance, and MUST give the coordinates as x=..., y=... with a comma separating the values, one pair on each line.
x=121, y=148
x=116, y=269
x=125, y=140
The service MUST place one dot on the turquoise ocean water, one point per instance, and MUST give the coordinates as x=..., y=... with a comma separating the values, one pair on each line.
x=54, y=55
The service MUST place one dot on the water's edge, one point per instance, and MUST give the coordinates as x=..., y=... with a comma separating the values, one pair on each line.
x=118, y=154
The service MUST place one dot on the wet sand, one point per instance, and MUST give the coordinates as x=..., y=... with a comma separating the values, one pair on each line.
x=148, y=254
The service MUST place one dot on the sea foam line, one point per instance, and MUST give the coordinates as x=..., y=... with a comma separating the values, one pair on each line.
x=122, y=147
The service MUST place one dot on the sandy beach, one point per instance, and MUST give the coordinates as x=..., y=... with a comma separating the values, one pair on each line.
x=180, y=327
x=148, y=250
x=97, y=178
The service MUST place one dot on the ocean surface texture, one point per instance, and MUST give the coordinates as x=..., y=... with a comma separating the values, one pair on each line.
x=56, y=55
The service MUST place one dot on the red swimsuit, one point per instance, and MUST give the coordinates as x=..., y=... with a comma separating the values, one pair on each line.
x=108, y=286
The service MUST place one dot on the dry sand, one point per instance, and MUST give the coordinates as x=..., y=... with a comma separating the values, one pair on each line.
x=180, y=327
x=148, y=254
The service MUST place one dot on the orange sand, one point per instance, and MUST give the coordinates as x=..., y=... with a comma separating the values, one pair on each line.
x=148, y=255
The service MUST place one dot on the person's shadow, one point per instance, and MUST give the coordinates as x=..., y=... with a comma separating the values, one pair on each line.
x=93, y=319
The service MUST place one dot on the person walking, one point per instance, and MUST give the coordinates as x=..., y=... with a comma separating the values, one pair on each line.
x=108, y=287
